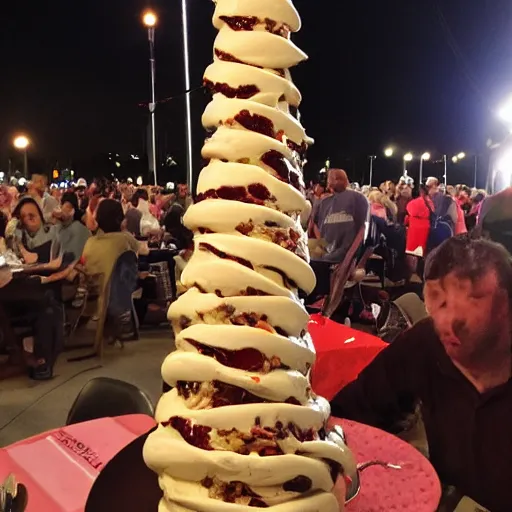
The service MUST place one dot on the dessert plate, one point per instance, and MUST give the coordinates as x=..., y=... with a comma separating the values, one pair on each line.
x=415, y=487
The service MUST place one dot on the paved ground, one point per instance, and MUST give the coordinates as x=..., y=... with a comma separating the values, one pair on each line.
x=28, y=408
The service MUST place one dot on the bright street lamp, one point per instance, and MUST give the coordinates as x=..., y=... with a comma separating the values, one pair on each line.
x=22, y=143
x=455, y=159
x=424, y=158
x=150, y=20
x=460, y=156
x=505, y=113
x=388, y=152
x=407, y=158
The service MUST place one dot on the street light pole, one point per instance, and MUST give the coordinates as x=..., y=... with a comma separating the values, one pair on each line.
x=476, y=170
x=150, y=21
x=445, y=170
x=25, y=163
x=423, y=158
x=188, y=108
x=372, y=158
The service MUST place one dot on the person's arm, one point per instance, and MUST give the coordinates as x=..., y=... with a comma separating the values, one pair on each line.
x=28, y=257
x=387, y=390
x=142, y=248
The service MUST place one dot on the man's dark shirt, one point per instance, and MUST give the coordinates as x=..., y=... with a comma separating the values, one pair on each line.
x=469, y=434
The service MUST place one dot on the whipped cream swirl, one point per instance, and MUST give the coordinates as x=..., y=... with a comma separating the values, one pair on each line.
x=242, y=429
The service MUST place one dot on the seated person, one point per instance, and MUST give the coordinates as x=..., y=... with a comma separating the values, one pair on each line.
x=32, y=233
x=102, y=250
x=39, y=307
x=71, y=231
x=457, y=365
x=337, y=221
x=182, y=238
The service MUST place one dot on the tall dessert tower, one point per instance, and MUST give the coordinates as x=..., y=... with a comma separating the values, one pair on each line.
x=241, y=428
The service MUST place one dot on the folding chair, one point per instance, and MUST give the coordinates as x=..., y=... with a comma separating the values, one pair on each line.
x=342, y=273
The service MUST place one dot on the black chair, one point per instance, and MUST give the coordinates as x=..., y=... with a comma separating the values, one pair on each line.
x=103, y=397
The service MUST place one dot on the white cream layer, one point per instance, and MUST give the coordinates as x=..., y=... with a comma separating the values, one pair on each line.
x=282, y=11
x=281, y=311
x=317, y=502
x=259, y=48
x=222, y=276
x=262, y=255
x=238, y=337
x=314, y=414
x=165, y=451
x=234, y=145
x=222, y=216
x=272, y=87
x=231, y=174
x=221, y=110
x=277, y=386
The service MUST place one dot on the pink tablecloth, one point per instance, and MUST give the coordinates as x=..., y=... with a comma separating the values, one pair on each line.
x=59, y=467
x=414, y=488
x=341, y=354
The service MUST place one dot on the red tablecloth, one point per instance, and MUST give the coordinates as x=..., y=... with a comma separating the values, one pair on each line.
x=414, y=488
x=341, y=354
x=59, y=467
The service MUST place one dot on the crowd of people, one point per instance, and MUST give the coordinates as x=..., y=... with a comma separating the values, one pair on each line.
x=406, y=222
x=75, y=235
x=84, y=229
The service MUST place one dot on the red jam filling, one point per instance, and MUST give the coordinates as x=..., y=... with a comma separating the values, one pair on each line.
x=243, y=91
x=255, y=193
x=255, y=123
x=248, y=359
x=203, y=246
x=249, y=23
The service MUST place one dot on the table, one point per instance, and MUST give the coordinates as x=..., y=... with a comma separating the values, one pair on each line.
x=414, y=488
x=59, y=467
x=341, y=354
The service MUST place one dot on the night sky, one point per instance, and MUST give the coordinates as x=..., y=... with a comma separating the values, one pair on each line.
x=421, y=74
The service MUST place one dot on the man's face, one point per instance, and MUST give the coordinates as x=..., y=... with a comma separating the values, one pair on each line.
x=39, y=182
x=468, y=316
x=337, y=181
x=183, y=190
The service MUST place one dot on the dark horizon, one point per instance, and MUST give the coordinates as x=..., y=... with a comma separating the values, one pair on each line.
x=420, y=77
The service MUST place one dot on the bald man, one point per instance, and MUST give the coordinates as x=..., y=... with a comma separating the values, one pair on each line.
x=337, y=220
